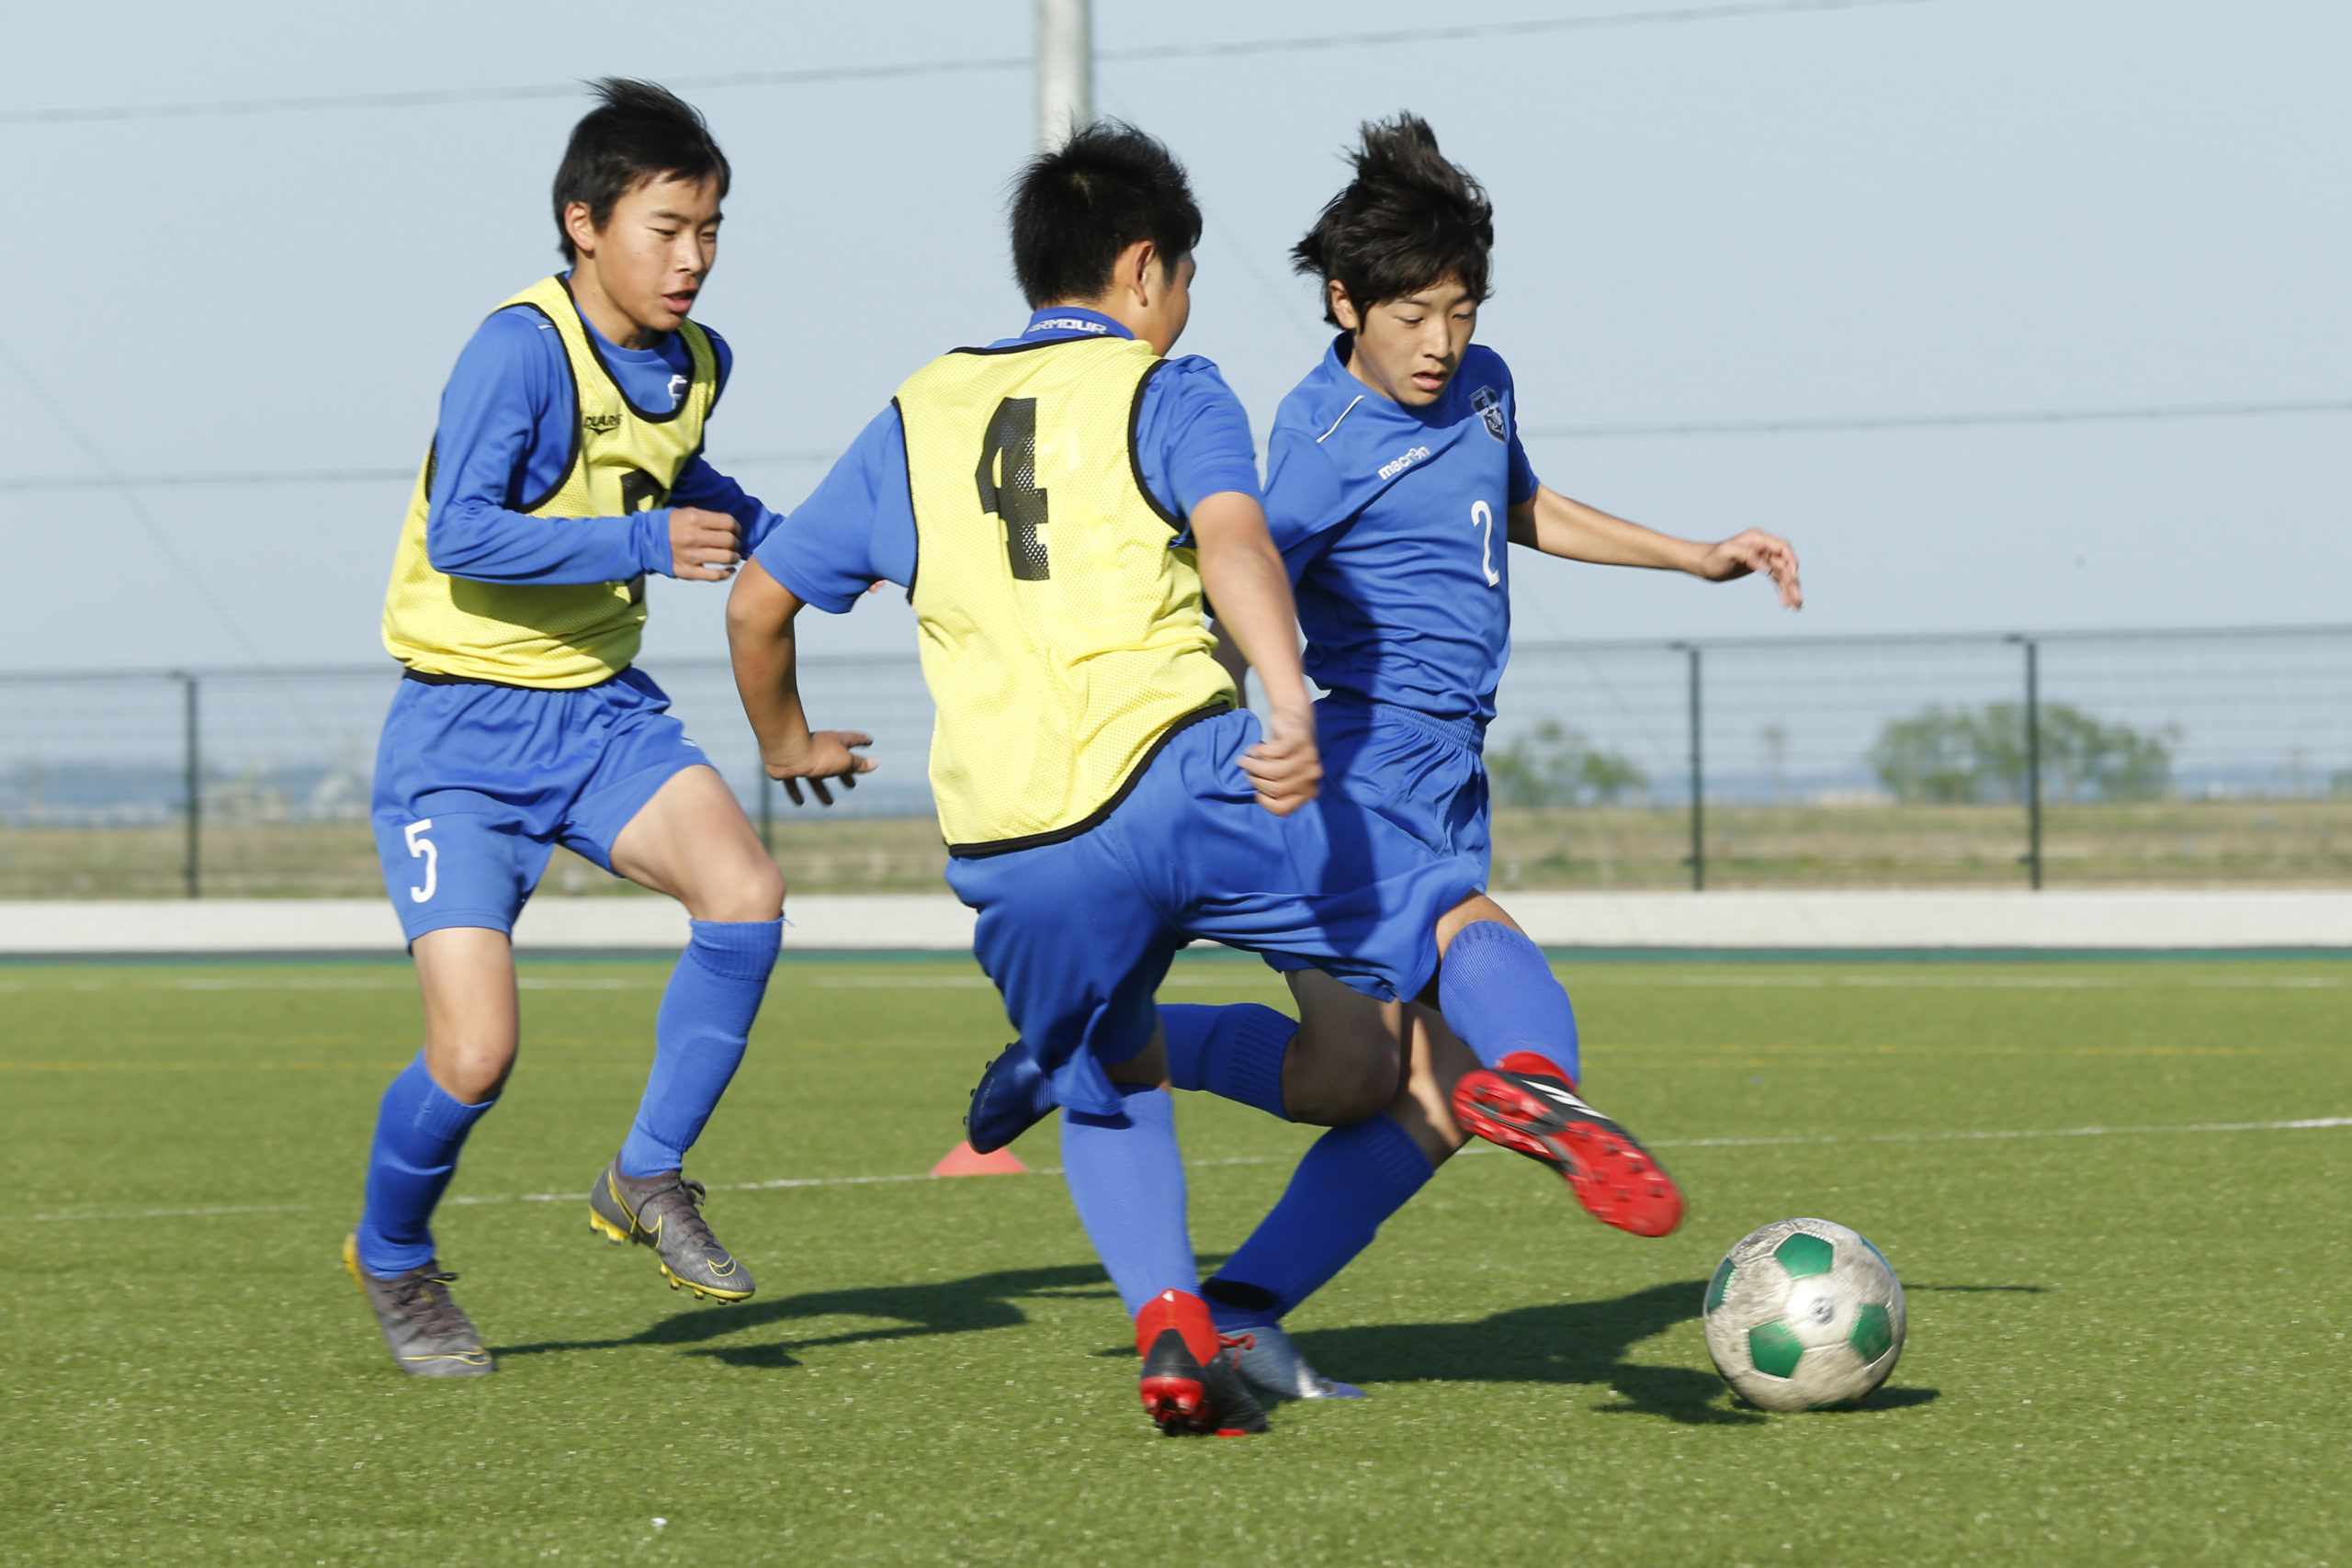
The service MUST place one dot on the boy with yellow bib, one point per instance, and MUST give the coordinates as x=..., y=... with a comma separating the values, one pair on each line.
x=1058, y=505
x=567, y=467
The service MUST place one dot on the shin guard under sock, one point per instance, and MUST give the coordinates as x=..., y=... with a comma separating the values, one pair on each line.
x=1500, y=996
x=1128, y=1179
x=698, y=1038
x=1350, y=1181
x=1235, y=1053
x=420, y=1127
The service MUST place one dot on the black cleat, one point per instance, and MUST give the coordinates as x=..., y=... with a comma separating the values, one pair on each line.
x=1183, y=1394
x=1013, y=1096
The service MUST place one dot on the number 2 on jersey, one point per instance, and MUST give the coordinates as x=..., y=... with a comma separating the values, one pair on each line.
x=1482, y=516
x=1008, y=481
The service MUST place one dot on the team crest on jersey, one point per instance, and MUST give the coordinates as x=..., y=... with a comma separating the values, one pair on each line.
x=1490, y=404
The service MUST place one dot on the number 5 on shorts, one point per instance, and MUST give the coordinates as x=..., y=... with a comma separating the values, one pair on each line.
x=418, y=844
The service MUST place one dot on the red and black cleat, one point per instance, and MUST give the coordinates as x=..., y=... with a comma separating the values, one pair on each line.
x=1190, y=1383
x=1527, y=1105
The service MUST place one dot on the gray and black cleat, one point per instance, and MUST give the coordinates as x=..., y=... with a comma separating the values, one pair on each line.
x=664, y=1212
x=428, y=1333
x=1271, y=1364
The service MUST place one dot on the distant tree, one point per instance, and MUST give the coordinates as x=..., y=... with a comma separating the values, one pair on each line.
x=1953, y=756
x=2085, y=760
x=1931, y=757
x=1554, y=765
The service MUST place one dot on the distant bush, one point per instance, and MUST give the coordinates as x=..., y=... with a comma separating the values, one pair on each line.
x=1554, y=765
x=1954, y=756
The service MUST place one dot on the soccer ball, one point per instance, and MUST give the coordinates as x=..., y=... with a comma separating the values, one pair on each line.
x=1803, y=1314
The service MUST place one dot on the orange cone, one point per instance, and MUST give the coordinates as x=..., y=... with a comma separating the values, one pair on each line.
x=964, y=1160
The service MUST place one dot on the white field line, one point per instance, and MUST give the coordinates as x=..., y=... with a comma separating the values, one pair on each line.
x=2303, y=1124
x=1244, y=976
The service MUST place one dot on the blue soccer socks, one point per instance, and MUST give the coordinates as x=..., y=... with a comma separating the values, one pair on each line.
x=1128, y=1179
x=698, y=1038
x=1235, y=1053
x=1349, y=1182
x=1500, y=996
x=419, y=1129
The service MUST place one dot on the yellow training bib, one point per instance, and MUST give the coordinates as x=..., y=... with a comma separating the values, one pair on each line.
x=623, y=459
x=1062, y=637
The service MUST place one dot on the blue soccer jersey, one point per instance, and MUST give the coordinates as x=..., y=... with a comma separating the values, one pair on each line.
x=1395, y=523
x=505, y=432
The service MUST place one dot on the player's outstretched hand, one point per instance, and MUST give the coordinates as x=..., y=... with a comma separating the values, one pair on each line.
x=704, y=546
x=1285, y=768
x=830, y=755
x=1756, y=550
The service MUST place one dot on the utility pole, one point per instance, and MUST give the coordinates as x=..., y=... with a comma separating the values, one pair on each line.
x=1698, y=778
x=1065, y=70
x=2032, y=761
x=192, y=790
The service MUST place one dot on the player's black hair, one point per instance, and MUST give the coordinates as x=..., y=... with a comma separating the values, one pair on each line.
x=1408, y=219
x=1076, y=208
x=639, y=133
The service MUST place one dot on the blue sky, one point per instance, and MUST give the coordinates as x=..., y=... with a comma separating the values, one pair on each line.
x=1909, y=208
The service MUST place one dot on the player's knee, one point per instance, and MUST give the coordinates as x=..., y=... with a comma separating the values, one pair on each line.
x=752, y=891
x=472, y=1069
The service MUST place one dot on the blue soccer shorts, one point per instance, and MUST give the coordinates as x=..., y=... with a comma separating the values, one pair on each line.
x=1422, y=775
x=477, y=783
x=1078, y=935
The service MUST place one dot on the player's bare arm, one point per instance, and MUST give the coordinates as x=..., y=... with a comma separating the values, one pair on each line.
x=1243, y=578
x=760, y=615
x=1557, y=525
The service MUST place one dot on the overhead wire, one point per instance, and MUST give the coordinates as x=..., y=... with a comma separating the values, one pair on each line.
x=1935, y=420
x=108, y=478
x=112, y=480
x=323, y=476
x=315, y=103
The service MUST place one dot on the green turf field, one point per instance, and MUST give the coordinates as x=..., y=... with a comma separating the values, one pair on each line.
x=2125, y=1347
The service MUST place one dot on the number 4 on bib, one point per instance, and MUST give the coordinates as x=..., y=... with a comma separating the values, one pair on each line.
x=1008, y=481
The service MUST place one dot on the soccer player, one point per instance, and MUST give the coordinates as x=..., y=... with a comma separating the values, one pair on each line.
x=1393, y=469
x=1056, y=503
x=567, y=464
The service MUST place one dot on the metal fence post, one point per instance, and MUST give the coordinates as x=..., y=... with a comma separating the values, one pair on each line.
x=2032, y=762
x=191, y=787
x=1698, y=782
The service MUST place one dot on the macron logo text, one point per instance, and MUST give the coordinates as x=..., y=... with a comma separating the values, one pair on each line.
x=1391, y=470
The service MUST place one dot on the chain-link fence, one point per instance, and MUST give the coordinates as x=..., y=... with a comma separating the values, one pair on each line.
x=2149, y=759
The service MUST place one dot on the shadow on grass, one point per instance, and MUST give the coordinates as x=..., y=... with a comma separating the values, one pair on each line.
x=1561, y=1342
x=949, y=1306
x=1981, y=1290
x=1564, y=1342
